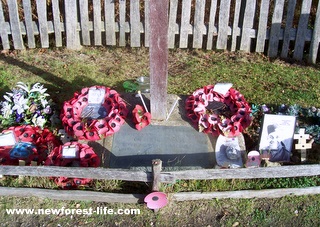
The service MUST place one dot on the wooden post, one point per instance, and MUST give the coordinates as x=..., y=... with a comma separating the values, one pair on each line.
x=156, y=170
x=158, y=11
x=21, y=163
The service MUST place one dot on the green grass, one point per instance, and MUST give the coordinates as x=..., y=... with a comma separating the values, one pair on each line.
x=261, y=80
x=258, y=78
x=286, y=211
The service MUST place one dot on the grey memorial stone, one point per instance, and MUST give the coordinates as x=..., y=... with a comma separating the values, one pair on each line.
x=179, y=147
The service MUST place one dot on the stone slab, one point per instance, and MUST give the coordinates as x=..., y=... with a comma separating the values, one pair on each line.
x=179, y=147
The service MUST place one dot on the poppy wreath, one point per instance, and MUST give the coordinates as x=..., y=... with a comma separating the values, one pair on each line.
x=85, y=157
x=88, y=128
x=216, y=113
x=32, y=144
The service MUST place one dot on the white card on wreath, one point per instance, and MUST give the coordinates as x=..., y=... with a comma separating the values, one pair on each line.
x=96, y=96
x=222, y=88
x=71, y=151
x=7, y=139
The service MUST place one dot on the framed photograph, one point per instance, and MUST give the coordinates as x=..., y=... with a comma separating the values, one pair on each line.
x=276, y=138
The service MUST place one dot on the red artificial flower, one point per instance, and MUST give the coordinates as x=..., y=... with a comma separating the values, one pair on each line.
x=200, y=108
x=156, y=200
x=114, y=124
x=146, y=120
x=92, y=135
x=123, y=111
x=78, y=129
x=193, y=116
x=213, y=119
x=102, y=126
x=140, y=117
x=204, y=121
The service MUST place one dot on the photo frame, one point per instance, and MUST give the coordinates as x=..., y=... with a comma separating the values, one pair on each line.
x=276, y=137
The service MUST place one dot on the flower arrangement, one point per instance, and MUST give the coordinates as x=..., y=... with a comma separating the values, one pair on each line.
x=94, y=113
x=84, y=156
x=26, y=142
x=141, y=118
x=227, y=114
x=26, y=105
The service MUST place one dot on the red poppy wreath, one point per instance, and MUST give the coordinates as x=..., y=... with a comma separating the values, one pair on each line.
x=227, y=114
x=94, y=113
x=72, y=154
x=27, y=143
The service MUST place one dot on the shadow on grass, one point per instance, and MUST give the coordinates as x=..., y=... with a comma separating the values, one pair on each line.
x=60, y=89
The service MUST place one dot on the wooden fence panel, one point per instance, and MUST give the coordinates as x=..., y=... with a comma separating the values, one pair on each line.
x=248, y=19
x=78, y=172
x=314, y=46
x=15, y=25
x=122, y=22
x=262, y=27
x=117, y=25
x=248, y=173
x=288, y=28
x=199, y=28
x=245, y=194
x=3, y=30
x=275, y=32
x=97, y=22
x=84, y=22
x=235, y=28
x=173, y=28
x=80, y=195
x=43, y=24
x=29, y=23
x=223, y=24
x=57, y=23
x=212, y=29
x=109, y=11
x=185, y=23
x=146, y=23
x=85, y=195
x=135, y=23
x=302, y=30
x=71, y=22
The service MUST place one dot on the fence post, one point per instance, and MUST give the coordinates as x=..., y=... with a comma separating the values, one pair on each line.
x=71, y=24
x=315, y=38
x=158, y=20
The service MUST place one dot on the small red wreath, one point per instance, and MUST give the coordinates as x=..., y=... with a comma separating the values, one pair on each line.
x=32, y=144
x=141, y=118
x=86, y=128
x=86, y=157
x=215, y=113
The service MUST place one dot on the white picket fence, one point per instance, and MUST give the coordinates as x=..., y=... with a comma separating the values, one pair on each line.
x=281, y=28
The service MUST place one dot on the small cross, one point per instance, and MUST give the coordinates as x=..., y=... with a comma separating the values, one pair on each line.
x=302, y=143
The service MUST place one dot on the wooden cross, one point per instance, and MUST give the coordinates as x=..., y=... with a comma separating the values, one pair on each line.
x=302, y=143
x=158, y=21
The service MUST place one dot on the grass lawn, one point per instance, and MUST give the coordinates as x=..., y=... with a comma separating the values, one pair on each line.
x=258, y=78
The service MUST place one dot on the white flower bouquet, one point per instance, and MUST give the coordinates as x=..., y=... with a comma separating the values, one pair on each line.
x=26, y=105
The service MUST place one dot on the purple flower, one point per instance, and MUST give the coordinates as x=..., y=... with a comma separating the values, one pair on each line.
x=47, y=110
x=18, y=117
x=264, y=108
